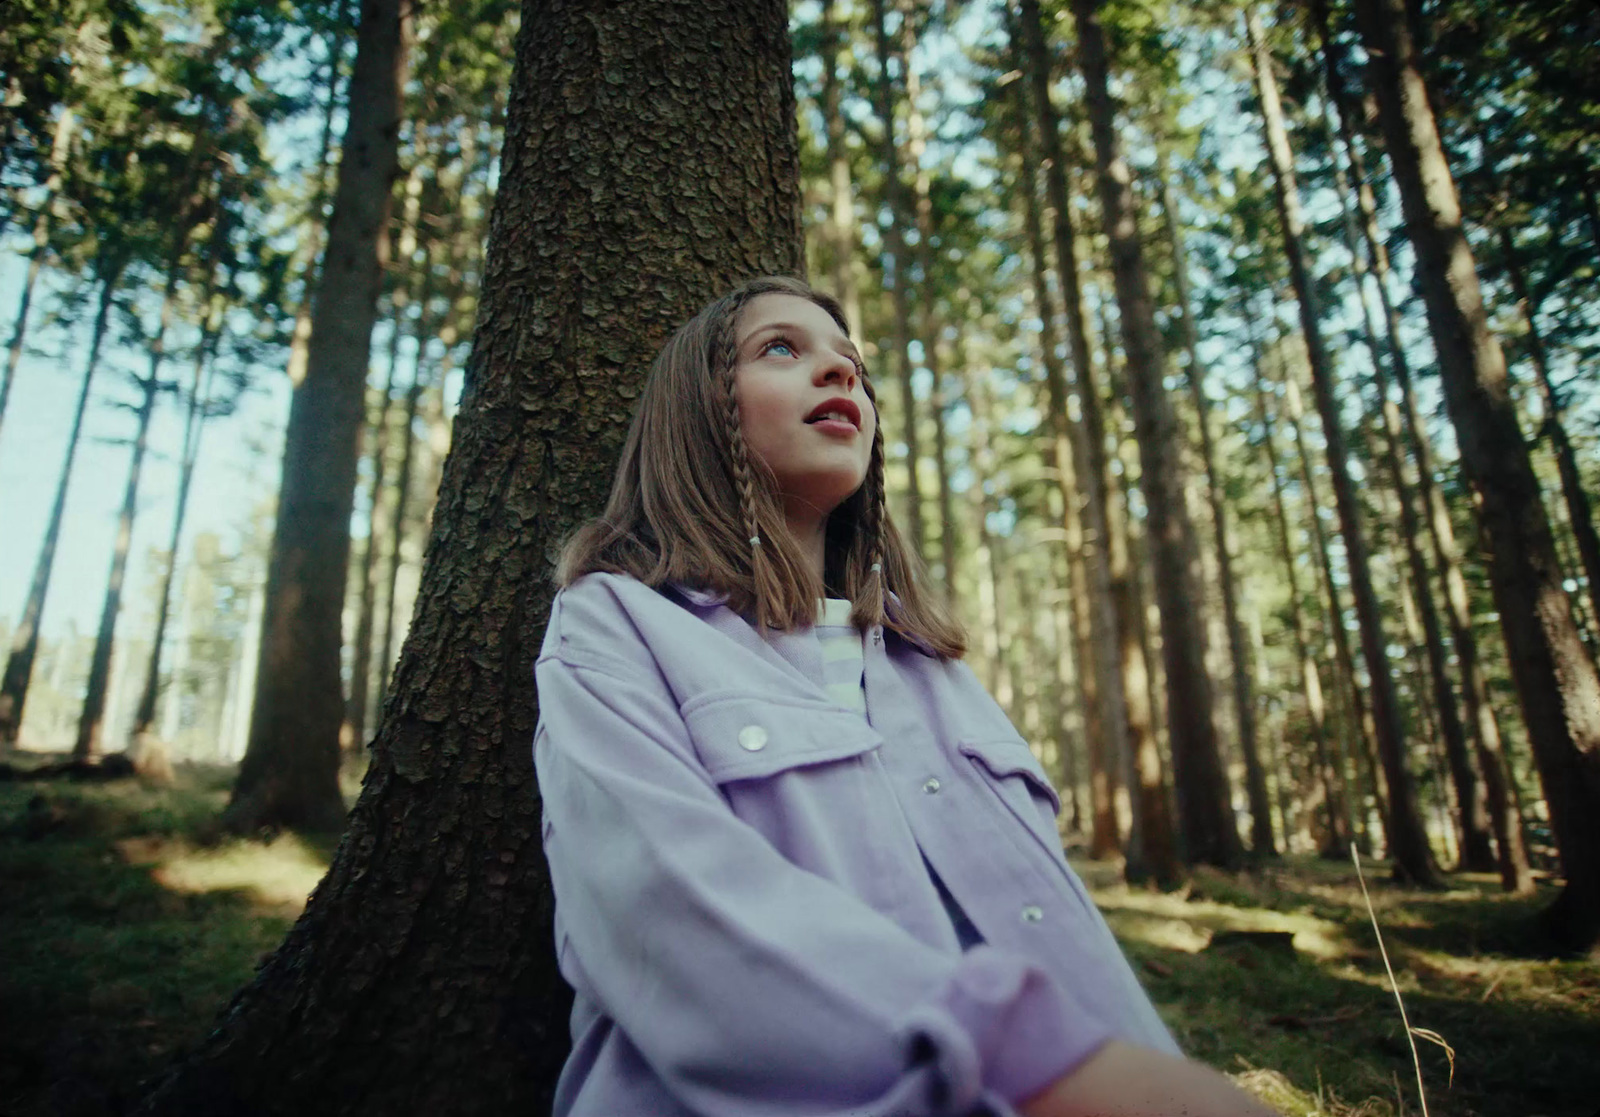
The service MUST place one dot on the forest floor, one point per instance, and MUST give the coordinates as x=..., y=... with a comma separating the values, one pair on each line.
x=127, y=921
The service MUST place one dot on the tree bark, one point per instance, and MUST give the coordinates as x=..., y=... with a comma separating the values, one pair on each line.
x=1204, y=813
x=638, y=182
x=289, y=775
x=25, y=639
x=1407, y=841
x=1554, y=675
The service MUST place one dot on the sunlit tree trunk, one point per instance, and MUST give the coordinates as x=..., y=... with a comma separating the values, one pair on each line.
x=1580, y=513
x=1328, y=774
x=897, y=269
x=439, y=894
x=1106, y=689
x=1261, y=838
x=842, y=210
x=1204, y=813
x=1554, y=674
x=289, y=775
x=25, y=638
x=1504, y=817
x=1408, y=843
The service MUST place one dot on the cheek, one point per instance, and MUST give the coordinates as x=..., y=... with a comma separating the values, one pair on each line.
x=762, y=414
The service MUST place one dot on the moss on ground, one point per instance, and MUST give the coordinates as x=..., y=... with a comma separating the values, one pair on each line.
x=129, y=921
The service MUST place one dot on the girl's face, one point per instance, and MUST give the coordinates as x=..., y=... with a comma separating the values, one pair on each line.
x=802, y=402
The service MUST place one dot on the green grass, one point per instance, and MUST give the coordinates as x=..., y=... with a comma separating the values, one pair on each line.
x=128, y=921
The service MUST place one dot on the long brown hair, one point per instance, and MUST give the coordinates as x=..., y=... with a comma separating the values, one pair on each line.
x=688, y=498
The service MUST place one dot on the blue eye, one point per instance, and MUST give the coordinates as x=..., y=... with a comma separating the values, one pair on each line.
x=779, y=343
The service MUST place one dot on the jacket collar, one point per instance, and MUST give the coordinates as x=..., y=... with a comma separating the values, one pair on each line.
x=710, y=598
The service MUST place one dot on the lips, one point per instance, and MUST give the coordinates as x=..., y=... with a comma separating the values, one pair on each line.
x=841, y=406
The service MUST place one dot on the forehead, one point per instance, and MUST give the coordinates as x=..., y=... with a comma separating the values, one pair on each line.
x=776, y=307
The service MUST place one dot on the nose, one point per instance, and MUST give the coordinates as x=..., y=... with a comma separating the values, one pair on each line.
x=835, y=368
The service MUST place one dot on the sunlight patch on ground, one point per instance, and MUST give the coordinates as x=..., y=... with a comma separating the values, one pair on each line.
x=280, y=873
x=1170, y=921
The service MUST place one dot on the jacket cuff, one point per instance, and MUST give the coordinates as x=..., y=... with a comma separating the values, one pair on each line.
x=999, y=1026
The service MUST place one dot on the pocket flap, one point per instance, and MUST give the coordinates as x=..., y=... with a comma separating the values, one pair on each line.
x=1011, y=756
x=742, y=737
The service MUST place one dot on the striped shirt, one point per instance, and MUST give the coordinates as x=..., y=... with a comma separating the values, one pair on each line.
x=843, y=675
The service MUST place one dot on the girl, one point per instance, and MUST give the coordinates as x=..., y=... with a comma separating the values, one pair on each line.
x=803, y=865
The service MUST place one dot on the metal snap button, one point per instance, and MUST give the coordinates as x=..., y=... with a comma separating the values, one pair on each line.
x=932, y=785
x=1032, y=913
x=752, y=738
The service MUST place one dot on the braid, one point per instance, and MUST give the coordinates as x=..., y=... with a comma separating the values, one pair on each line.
x=726, y=356
x=875, y=591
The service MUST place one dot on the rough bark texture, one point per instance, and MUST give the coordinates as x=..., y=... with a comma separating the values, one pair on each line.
x=650, y=163
x=289, y=775
x=1554, y=675
x=1408, y=843
x=1204, y=813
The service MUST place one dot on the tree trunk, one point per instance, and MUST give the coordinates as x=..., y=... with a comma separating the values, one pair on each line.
x=897, y=273
x=66, y=127
x=1579, y=510
x=605, y=238
x=1105, y=685
x=1204, y=812
x=289, y=775
x=89, y=745
x=842, y=213
x=1407, y=841
x=1504, y=817
x=1555, y=677
x=193, y=425
x=25, y=639
x=1261, y=837
x=1330, y=777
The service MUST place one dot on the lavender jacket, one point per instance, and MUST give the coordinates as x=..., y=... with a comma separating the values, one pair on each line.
x=741, y=905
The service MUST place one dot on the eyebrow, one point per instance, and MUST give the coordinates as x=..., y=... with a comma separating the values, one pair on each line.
x=850, y=346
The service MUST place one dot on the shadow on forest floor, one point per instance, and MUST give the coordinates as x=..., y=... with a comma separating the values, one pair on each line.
x=127, y=922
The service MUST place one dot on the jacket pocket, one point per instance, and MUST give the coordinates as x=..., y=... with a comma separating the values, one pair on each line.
x=1008, y=765
x=743, y=736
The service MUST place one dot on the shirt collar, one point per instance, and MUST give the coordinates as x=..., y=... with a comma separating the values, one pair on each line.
x=709, y=598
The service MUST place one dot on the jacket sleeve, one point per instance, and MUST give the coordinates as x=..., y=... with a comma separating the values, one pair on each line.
x=750, y=985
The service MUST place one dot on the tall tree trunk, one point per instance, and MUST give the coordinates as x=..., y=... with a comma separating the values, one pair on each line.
x=89, y=745
x=1579, y=510
x=842, y=210
x=1261, y=837
x=897, y=271
x=1107, y=687
x=1471, y=818
x=289, y=775
x=25, y=638
x=1504, y=817
x=1555, y=677
x=1408, y=843
x=66, y=127
x=315, y=224
x=439, y=893
x=932, y=327
x=1204, y=812
x=193, y=425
